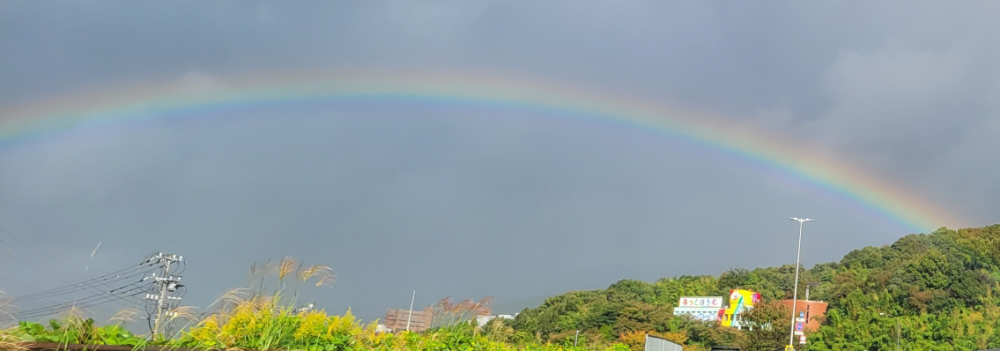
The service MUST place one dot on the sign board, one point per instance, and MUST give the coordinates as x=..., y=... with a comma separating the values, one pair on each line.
x=700, y=301
x=802, y=314
x=798, y=326
x=799, y=332
x=789, y=348
x=802, y=340
x=705, y=314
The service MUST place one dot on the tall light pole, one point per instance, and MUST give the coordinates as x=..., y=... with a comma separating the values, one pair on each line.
x=410, y=315
x=898, y=331
x=795, y=289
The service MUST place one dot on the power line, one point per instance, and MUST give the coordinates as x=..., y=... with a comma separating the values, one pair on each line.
x=120, y=289
x=115, y=295
x=32, y=259
x=109, y=297
x=112, y=294
x=26, y=260
x=105, y=280
x=88, y=304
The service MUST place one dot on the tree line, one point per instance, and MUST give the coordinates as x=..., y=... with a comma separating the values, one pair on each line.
x=932, y=291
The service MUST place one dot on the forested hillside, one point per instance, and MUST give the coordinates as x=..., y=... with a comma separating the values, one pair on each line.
x=942, y=287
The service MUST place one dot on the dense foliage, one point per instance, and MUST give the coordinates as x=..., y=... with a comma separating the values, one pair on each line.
x=75, y=331
x=255, y=329
x=263, y=324
x=258, y=319
x=938, y=288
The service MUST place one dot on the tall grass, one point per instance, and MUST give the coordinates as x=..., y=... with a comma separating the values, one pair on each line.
x=8, y=339
x=262, y=316
x=447, y=313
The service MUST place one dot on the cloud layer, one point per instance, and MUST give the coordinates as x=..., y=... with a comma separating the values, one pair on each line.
x=474, y=202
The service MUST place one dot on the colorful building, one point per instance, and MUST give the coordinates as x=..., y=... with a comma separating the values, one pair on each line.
x=741, y=301
x=709, y=308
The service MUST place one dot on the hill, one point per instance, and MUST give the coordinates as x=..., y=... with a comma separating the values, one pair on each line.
x=512, y=307
x=941, y=287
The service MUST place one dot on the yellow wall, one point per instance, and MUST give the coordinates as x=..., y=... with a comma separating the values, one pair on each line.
x=740, y=301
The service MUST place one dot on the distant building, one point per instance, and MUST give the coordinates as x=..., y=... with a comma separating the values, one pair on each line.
x=808, y=312
x=304, y=309
x=396, y=318
x=710, y=308
x=482, y=320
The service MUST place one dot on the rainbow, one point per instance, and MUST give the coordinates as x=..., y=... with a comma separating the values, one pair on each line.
x=741, y=140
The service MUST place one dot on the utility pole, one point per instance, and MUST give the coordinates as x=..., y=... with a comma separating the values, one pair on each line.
x=167, y=284
x=409, y=316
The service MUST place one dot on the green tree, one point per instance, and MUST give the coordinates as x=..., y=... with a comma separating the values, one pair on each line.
x=767, y=327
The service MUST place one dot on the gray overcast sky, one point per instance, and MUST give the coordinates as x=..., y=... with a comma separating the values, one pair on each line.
x=470, y=202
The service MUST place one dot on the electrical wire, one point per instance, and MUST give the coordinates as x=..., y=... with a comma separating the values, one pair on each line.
x=32, y=257
x=183, y=266
x=113, y=294
x=89, y=301
x=110, y=296
x=106, y=280
x=80, y=306
x=22, y=260
x=108, y=288
x=89, y=284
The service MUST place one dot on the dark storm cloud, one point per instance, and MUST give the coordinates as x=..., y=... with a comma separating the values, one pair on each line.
x=491, y=202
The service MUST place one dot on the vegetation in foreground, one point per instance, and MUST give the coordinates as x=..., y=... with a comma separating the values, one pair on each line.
x=938, y=289
x=252, y=319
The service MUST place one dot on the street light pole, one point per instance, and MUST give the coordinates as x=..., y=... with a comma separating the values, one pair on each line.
x=898, y=331
x=410, y=315
x=795, y=289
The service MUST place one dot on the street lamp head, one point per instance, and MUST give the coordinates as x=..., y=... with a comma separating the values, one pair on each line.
x=800, y=220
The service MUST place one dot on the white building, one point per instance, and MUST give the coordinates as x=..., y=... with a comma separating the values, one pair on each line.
x=482, y=320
